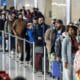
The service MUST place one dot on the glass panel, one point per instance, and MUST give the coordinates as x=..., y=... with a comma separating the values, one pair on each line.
x=58, y=9
x=75, y=10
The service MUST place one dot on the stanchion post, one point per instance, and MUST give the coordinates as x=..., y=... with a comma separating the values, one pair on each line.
x=16, y=43
x=33, y=60
x=3, y=38
x=44, y=63
x=9, y=41
x=24, y=44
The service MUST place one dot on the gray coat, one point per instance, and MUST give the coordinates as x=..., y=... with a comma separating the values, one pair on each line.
x=67, y=50
x=67, y=56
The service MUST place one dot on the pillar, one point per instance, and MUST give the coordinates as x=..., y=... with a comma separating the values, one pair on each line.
x=35, y=3
x=68, y=11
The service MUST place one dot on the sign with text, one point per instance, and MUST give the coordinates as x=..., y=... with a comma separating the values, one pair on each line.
x=3, y=2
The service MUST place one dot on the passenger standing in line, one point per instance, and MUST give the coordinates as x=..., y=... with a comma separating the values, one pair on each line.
x=50, y=37
x=53, y=23
x=2, y=23
x=35, y=23
x=59, y=28
x=40, y=42
x=56, y=49
x=9, y=24
x=18, y=29
x=42, y=27
x=77, y=63
x=69, y=46
x=77, y=57
x=36, y=13
x=28, y=15
x=29, y=46
x=35, y=27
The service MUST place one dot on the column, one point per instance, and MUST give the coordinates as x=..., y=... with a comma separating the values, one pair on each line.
x=35, y=3
x=15, y=4
x=68, y=11
x=41, y=5
x=0, y=3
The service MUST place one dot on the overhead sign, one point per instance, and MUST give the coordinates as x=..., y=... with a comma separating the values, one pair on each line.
x=3, y=2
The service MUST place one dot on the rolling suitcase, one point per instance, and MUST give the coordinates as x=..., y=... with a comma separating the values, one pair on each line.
x=38, y=61
x=55, y=69
x=38, y=57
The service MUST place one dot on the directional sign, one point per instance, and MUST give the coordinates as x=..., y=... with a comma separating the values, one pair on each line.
x=3, y=2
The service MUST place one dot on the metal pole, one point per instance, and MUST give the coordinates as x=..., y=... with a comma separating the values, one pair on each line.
x=16, y=55
x=24, y=44
x=68, y=11
x=3, y=66
x=44, y=63
x=33, y=60
x=9, y=54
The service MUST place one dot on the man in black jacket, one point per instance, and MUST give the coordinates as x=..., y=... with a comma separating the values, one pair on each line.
x=42, y=27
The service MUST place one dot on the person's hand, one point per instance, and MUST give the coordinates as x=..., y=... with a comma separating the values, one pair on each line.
x=66, y=65
x=15, y=34
x=57, y=58
x=78, y=72
x=39, y=38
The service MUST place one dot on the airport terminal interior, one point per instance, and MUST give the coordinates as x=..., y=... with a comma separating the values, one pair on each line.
x=39, y=39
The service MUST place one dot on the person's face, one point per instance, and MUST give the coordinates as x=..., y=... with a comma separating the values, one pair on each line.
x=40, y=20
x=71, y=32
x=79, y=46
x=29, y=25
x=20, y=17
x=35, y=21
x=53, y=22
x=28, y=12
x=13, y=15
x=58, y=25
x=3, y=16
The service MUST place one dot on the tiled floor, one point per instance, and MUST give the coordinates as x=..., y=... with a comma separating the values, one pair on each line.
x=17, y=69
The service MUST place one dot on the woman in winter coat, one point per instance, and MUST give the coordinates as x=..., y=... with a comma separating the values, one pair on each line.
x=69, y=47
